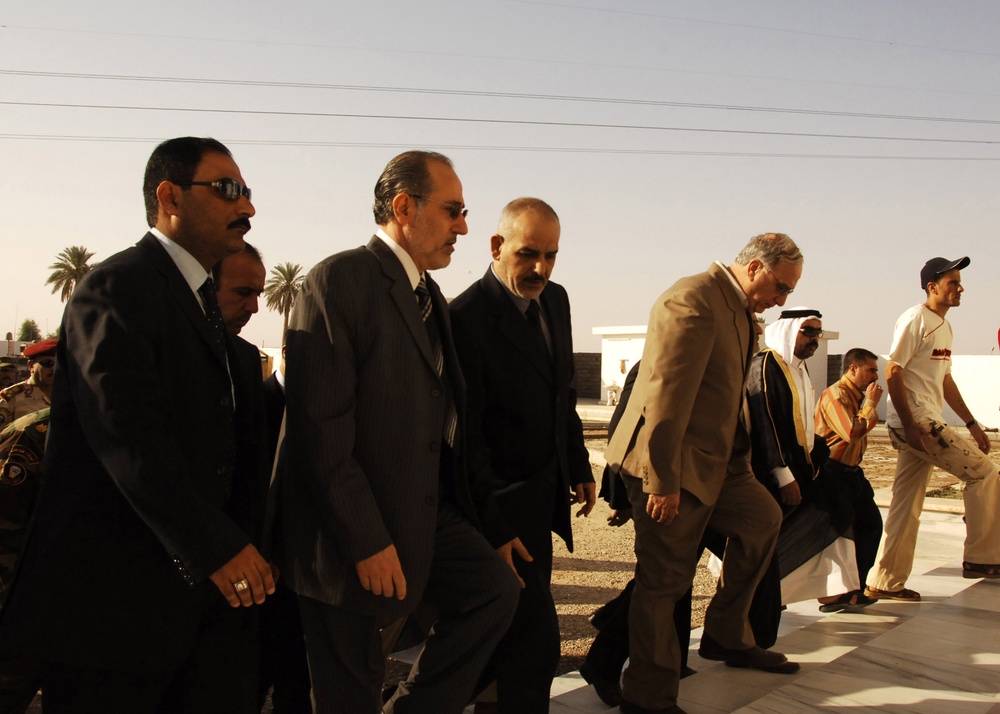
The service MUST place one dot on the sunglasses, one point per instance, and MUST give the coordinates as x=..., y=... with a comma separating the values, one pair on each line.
x=783, y=289
x=454, y=209
x=229, y=189
x=811, y=331
x=47, y=363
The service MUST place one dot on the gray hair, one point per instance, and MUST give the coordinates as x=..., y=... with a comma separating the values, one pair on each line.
x=515, y=208
x=770, y=249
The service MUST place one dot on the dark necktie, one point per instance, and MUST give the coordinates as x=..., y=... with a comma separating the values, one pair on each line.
x=534, y=316
x=211, y=302
x=426, y=310
x=214, y=316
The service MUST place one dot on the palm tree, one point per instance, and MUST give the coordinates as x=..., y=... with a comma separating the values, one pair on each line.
x=281, y=289
x=70, y=267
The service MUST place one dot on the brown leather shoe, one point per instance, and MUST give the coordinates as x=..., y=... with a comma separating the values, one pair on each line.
x=755, y=657
x=903, y=594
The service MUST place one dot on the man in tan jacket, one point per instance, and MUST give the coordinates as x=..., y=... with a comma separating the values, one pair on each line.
x=682, y=450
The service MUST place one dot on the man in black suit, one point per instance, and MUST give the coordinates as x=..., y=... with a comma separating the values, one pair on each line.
x=378, y=512
x=514, y=342
x=239, y=279
x=283, y=667
x=139, y=573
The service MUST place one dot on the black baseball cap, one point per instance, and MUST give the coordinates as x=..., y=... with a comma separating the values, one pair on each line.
x=935, y=266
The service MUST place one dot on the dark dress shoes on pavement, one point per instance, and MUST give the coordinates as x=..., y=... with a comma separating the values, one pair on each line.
x=609, y=690
x=627, y=708
x=755, y=657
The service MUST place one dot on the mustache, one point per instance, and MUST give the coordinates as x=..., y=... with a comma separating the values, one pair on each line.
x=240, y=222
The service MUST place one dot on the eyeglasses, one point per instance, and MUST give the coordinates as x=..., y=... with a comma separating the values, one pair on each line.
x=47, y=363
x=454, y=209
x=783, y=289
x=811, y=331
x=229, y=189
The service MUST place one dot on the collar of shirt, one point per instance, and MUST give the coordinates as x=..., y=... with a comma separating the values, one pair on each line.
x=521, y=303
x=281, y=379
x=735, y=283
x=192, y=271
x=400, y=252
x=851, y=388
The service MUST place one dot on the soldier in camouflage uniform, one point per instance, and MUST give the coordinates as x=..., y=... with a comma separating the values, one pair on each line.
x=8, y=372
x=32, y=394
x=21, y=447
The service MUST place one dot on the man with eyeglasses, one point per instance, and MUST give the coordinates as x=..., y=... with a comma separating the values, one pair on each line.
x=786, y=457
x=682, y=449
x=919, y=381
x=379, y=513
x=34, y=393
x=140, y=571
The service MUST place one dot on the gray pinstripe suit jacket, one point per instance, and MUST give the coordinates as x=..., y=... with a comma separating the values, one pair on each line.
x=365, y=418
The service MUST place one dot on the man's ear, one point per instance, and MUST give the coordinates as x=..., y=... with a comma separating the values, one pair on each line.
x=496, y=241
x=402, y=208
x=166, y=196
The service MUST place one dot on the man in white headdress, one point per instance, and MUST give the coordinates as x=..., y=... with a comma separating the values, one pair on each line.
x=786, y=457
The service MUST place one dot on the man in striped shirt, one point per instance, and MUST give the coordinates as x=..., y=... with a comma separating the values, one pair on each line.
x=846, y=412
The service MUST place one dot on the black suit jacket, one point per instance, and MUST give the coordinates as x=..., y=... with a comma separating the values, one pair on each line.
x=141, y=484
x=523, y=425
x=363, y=434
x=274, y=406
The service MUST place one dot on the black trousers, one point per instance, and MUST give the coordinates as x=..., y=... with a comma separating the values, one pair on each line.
x=219, y=675
x=475, y=594
x=526, y=659
x=283, y=664
x=867, y=520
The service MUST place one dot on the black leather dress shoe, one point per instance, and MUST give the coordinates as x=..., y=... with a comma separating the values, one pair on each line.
x=755, y=657
x=609, y=690
x=627, y=708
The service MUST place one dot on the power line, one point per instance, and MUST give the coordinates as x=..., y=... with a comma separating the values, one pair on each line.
x=499, y=95
x=487, y=147
x=502, y=58
x=766, y=28
x=515, y=122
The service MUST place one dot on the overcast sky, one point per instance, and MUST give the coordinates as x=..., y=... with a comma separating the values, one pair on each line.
x=665, y=134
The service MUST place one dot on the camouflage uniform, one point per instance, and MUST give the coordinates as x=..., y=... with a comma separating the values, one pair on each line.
x=20, y=399
x=21, y=447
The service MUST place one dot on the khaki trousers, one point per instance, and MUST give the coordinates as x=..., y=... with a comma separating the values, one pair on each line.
x=667, y=556
x=959, y=456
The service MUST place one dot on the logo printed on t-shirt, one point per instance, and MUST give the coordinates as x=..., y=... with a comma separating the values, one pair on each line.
x=941, y=353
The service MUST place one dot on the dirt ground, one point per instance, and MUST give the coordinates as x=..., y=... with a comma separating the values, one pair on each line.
x=603, y=559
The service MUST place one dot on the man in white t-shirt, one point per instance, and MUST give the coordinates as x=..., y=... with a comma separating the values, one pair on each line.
x=918, y=375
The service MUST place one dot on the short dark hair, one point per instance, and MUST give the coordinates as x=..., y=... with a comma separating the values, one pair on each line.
x=174, y=160
x=247, y=248
x=857, y=356
x=406, y=173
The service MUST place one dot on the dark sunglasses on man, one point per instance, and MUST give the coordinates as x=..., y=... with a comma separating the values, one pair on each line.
x=229, y=189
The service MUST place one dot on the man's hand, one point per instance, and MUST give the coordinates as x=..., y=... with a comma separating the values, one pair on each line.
x=381, y=574
x=245, y=579
x=915, y=437
x=586, y=493
x=982, y=441
x=505, y=553
x=873, y=394
x=791, y=494
x=663, y=509
x=619, y=517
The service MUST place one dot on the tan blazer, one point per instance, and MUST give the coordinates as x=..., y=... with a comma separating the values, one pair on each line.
x=682, y=421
